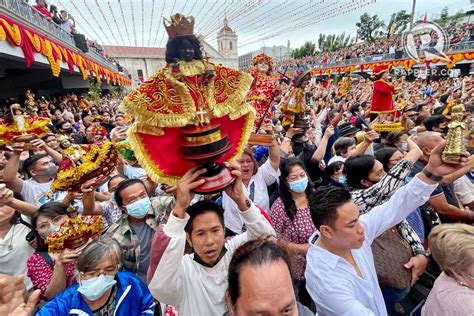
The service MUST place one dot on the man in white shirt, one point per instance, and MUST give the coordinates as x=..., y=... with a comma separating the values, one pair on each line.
x=340, y=271
x=41, y=170
x=195, y=283
x=68, y=23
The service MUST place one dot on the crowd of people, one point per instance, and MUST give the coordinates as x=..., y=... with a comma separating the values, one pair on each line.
x=67, y=22
x=345, y=223
x=460, y=37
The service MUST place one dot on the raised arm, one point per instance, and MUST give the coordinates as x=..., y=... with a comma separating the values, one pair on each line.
x=166, y=273
x=11, y=169
x=407, y=198
x=321, y=150
x=40, y=144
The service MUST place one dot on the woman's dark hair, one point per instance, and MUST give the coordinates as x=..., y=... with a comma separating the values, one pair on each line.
x=323, y=204
x=254, y=253
x=357, y=169
x=122, y=186
x=334, y=167
x=383, y=155
x=172, y=47
x=392, y=138
x=285, y=195
x=202, y=207
x=117, y=176
x=50, y=210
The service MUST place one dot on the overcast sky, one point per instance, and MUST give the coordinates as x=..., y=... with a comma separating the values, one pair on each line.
x=257, y=22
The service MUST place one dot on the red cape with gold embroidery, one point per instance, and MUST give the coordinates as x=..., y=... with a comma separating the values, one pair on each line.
x=261, y=94
x=169, y=100
x=382, y=97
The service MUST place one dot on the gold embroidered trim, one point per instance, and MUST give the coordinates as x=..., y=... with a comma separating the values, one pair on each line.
x=205, y=139
x=151, y=168
x=388, y=127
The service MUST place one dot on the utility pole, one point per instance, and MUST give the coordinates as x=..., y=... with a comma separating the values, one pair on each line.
x=412, y=14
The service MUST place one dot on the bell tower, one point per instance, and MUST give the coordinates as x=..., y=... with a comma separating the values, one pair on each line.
x=227, y=41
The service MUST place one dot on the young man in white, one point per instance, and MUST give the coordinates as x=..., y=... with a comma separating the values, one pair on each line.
x=340, y=272
x=195, y=284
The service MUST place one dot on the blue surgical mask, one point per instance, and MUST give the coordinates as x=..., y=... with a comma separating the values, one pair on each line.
x=342, y=179
x=139, y=209
x=405, y=146
x=298, y=186
x=94, y=288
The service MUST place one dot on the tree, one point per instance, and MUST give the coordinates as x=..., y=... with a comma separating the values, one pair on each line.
x=399, y=22
x=370, y=27
x=95, y=90
x=443, y=17
x=308, y=49
x=334, y=42
x=456, y=18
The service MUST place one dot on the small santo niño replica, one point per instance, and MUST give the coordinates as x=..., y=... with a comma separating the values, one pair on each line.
x=191, y=112
x=264, y=87
x=382, y=100
x=455, y=148
x=18, y=127
x=262, y=93
x=293, y=105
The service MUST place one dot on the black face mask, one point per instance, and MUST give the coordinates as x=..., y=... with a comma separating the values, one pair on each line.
x=445, y=130
x=68, y=130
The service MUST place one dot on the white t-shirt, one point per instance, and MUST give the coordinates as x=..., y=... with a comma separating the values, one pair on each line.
x=264, y=177
x=134, y=172
x=39, y=193
x=13, y=259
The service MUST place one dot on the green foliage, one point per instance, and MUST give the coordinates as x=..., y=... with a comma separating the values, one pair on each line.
x=399, y=23
x=447, y=20
x=456, y=18
x=334, y=42
x=95, y=91
x=370, y=27
x=308, y=49
x=443, y=19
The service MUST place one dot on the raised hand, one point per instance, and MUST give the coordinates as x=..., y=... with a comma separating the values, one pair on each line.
x=436, y=165
x=184, y=193
x=235, y=190
x=12, y=293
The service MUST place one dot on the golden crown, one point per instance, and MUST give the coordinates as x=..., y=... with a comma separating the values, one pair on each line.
x=179, y=25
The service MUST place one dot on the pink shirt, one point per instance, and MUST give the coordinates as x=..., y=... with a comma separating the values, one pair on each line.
x=448, y=297
x=297, y=231
x=41, y=273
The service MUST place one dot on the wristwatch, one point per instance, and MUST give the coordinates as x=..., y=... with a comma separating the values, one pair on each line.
x=431, y=176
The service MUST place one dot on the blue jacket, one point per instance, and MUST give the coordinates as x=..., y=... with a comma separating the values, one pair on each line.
x=132, y=298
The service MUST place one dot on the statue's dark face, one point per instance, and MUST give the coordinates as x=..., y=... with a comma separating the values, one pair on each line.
x=186, y=51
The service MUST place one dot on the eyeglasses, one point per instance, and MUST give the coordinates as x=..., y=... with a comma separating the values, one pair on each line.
x=97, y=273
x=47, y=225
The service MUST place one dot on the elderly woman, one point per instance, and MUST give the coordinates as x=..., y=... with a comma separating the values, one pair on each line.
x=452, y=246
x=101, y=289
x=255, y=180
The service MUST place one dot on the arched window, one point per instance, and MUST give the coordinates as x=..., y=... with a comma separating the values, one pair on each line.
x=230, y=45
x=222, y=46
